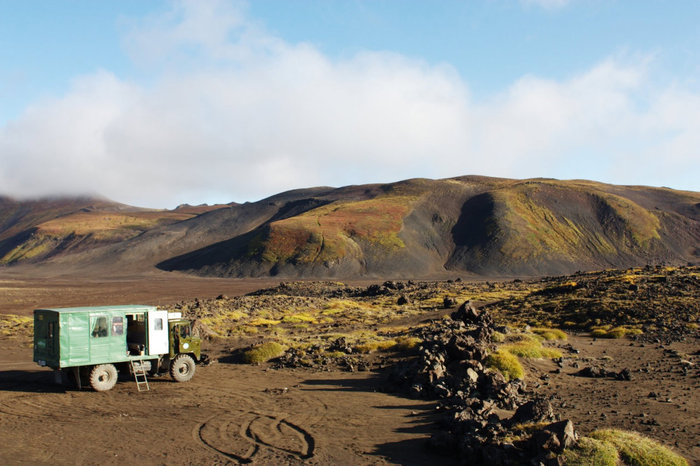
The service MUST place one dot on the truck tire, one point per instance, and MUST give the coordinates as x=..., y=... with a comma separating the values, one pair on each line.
x=103, y=377
x=182, y=368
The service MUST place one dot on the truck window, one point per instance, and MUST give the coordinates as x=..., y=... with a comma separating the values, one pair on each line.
x=117, y=326
x=100, y=328
x=184, y=331
x=158, y=324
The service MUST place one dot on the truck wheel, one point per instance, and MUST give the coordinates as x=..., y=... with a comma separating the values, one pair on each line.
x=182, y=368
x=103, y=377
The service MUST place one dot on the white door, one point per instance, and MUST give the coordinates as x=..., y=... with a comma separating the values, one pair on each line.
x=157, y=332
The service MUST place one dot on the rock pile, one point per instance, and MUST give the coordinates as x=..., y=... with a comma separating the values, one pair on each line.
x=478, y=402
x=451, y=363
x=316, y=357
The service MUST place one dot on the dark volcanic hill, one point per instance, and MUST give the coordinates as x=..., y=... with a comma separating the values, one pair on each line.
x=413, y=228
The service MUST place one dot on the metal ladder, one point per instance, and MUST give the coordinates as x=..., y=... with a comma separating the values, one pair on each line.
x=140, y=376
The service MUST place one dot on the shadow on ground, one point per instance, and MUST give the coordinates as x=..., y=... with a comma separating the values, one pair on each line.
x=30, y=382
x=421, y=420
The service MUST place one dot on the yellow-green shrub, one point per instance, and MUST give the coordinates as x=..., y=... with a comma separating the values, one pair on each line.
x=376, y=345
x=617, y=332
x=550, y=333
x=635, y=449
x=264, y=352
x=524, y=337
x=406, y=343
x=299, y=318
x=506, y=363
x=262, y=322
x=530, y=349
x=591, y=452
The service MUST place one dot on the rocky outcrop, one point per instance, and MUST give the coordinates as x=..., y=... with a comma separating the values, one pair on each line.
x=486, y=419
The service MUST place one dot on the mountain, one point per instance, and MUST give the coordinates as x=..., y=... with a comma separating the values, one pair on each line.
x=473, y=224
x=412, y=228
x=37, y=230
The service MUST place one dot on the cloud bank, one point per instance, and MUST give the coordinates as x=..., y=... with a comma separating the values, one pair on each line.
x=234, y=113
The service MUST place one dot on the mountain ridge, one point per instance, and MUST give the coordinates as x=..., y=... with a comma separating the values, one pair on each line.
x=411, y=228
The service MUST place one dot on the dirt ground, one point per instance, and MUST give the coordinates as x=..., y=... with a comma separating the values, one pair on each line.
x=20, y=294
x=226, y=414
x=232, y=413
x=662, y=399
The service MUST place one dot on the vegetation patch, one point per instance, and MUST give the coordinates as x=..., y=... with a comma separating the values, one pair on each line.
x=332, y=231
x=531, y=350
x=506, y=363
x=299, y=318
x=529, y=345
x=262, y=322
x=263, y=353
x=591, y=452
x=635, y=449
x=617, y=332
x=12, y=325
x=549, y=333
x=407, y=343
x=375, y=345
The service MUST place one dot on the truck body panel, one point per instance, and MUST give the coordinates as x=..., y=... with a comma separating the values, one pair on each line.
x=74, y=337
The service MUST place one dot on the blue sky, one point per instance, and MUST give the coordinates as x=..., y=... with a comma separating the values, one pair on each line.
x=164, y=102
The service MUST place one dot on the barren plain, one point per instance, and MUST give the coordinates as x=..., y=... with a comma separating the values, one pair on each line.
x=324, y=402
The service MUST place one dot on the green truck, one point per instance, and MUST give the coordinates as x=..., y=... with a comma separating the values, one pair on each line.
x=94, y=343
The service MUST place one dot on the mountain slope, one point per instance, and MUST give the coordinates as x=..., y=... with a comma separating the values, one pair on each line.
x=469, y=224
x=412, y=228
x=37, y=230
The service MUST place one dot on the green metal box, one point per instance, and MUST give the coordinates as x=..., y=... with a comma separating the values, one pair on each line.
x=82, y=336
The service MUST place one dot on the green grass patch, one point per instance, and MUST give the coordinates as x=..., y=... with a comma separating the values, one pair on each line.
x=376, y=345
x=12, y=325
x=524, y=338
x=406, y=343
x=264, y=352
x=303, y=317
x=531, y=350
x=506, y=363
x=550, y=333
x=637, y=450
x=591, y=452
x=262, y=322
x=616, y=332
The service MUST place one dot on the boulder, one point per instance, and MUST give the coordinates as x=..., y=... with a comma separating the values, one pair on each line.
x=554, y=437
x=538, y=410
x=467, y=313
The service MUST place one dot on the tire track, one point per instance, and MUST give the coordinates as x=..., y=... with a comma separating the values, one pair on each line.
x=42, y=404
x=244, y=438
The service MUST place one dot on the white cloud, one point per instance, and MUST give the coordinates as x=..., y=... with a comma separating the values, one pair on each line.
x=257, y=116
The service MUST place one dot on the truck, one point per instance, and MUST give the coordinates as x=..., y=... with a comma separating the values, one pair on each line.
x=94, y=344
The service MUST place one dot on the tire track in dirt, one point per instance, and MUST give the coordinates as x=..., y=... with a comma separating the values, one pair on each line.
x=246, y=438
x=250, y=424
x=39, y=405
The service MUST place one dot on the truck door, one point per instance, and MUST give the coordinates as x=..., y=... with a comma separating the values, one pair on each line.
x=158, y=332
x=100, y=338
x=46, y=338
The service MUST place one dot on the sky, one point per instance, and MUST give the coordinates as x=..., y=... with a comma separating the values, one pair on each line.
x=158, y=103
